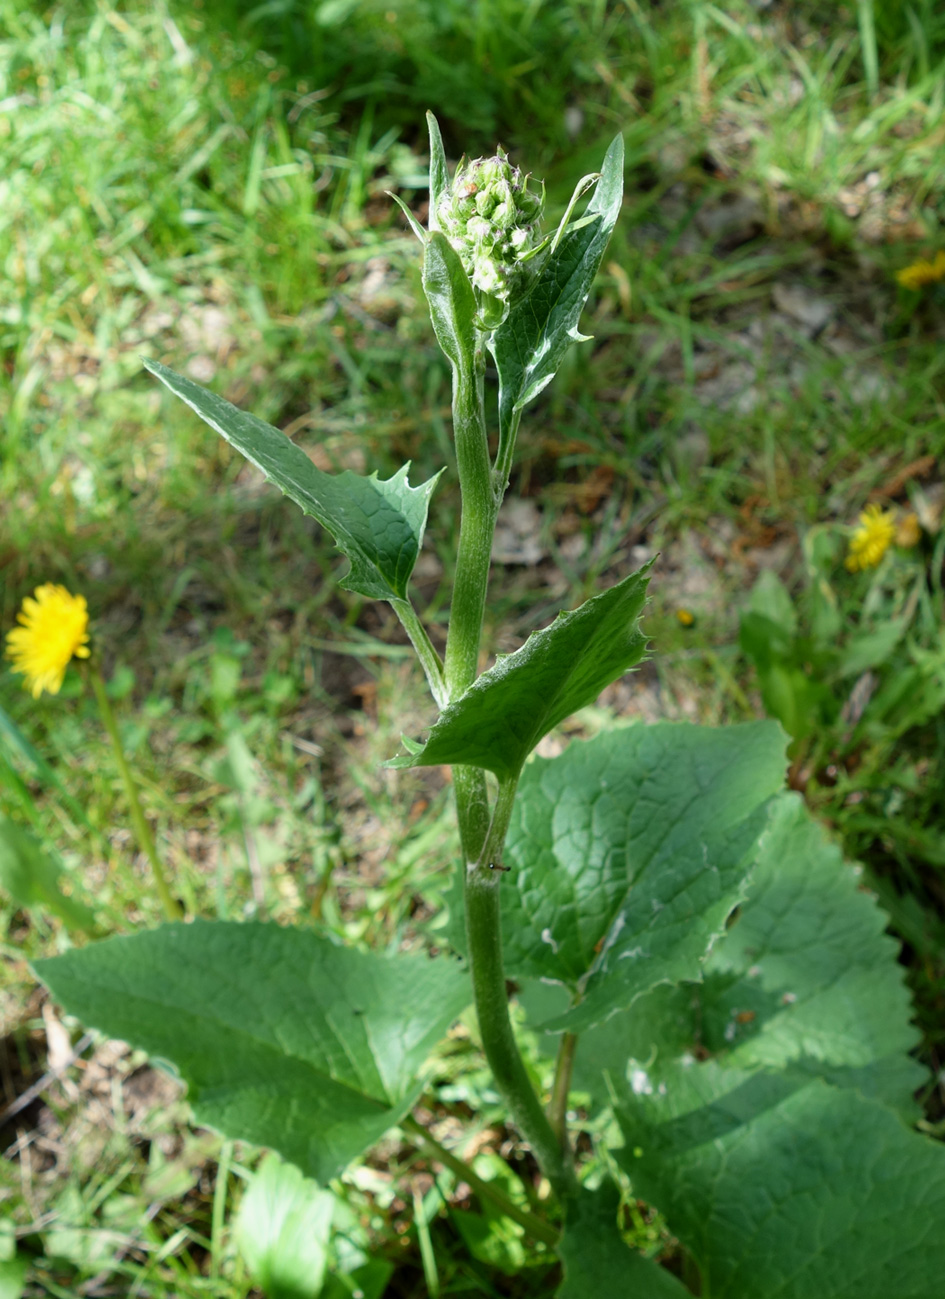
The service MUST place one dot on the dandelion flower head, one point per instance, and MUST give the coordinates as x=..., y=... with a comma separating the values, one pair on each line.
x=922, y=272
x=53, y=630
x=871, y=540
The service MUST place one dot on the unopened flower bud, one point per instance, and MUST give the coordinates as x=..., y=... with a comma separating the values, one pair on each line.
x=492, y=219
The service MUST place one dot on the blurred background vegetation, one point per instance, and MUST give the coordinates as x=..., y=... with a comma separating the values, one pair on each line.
x=206, y=183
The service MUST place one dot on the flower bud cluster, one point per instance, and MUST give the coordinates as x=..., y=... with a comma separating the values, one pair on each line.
x=493, y=221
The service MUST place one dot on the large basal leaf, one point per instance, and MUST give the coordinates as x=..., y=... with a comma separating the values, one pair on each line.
x=762, y=1108
x=597, y=1262
x=785, y=1188
x=378, y=524
x=807, y=978
x=283, y=1038
x=540, y=327
x=629, y=852
x=503, y=715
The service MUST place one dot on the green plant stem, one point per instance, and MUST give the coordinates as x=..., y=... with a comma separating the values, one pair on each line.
x=535, y=1227
x=426, y=651
x=504, y=454
x=480, y=832
x=558, y=1105
x=490, y=855
x=477, y=524
x=484, y=943
x=141, y=828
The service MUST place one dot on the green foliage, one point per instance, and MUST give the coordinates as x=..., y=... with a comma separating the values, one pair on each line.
x=543, y=323
x=32, y=879
x=629, y=853
x=833, y=1193
x=597, y=1261
x=451, y=301
x=853, y=666
x=153, y=168
x=507, y=710
x=282, y=1229
x=13, y=1267
x=378, y=525
x=765, y=1102
x=222, y=1001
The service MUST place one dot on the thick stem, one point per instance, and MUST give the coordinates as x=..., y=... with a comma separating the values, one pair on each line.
x=535, y=1227
x=139, y=823
x=558, y=1105
x=484, y=943
x=480, y=832
x=477, y=525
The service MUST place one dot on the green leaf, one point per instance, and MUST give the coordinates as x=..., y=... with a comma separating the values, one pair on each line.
x=771, y=599
x=439, y=176
x=13, y=1276
x=282, y=1230
x=368, y=1281
x=598, y=1263
x=872, y=648
x=490, y=1235
x=807, y=978
x=378, y=524
x=629, y=852
x=31, y=878
x=451, y=300
x=507, y=710
x=540, y=327
x=761, y=1109
x=283, y=1038
x=13, y=738
x=787, y=1188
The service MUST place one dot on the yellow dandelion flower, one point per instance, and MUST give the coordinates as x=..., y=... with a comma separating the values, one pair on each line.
x=54, y=629
x=871, y=540
x=920, y=273
x=685, y=617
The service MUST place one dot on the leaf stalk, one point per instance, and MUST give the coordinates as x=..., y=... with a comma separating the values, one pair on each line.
x=536, y=1227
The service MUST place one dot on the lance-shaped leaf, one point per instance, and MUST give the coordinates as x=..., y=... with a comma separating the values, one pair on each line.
x=283, y=1038
x=439, y=175
x=451, y=300
x=596, y=1260
x=540, y=327
x=629, y=852
x=503, y=715
x=378, y=524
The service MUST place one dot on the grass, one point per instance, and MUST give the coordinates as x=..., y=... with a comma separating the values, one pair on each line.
x=195, y=184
